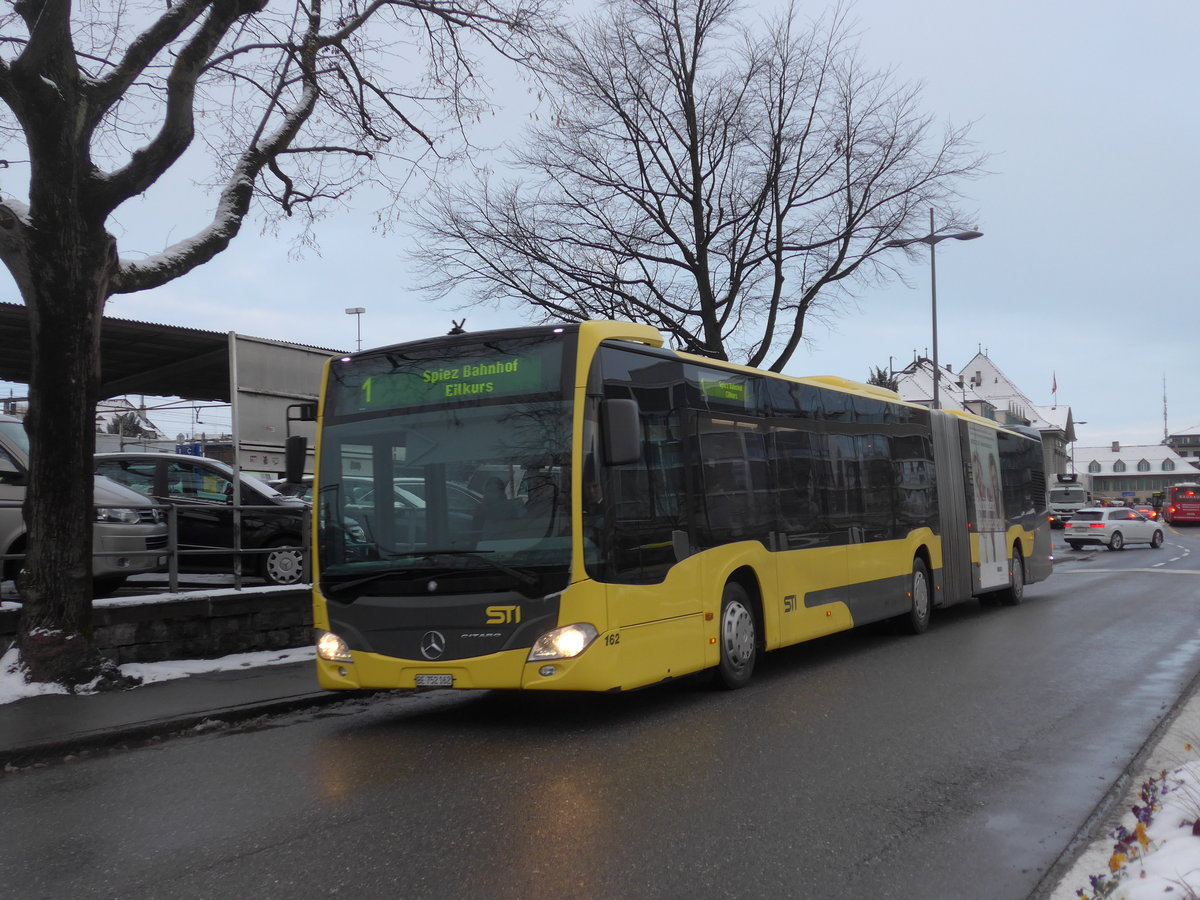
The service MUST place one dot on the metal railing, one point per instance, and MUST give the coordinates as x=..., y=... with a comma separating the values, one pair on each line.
x=173, y=552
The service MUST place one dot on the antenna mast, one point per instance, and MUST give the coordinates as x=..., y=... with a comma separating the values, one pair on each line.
x=1165, y=434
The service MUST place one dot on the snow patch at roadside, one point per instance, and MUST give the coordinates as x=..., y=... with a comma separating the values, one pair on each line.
x=13, y=685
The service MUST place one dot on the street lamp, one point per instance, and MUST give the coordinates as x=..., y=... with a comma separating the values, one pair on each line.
x=357, y=311
x=1073, y=443
x=932, y=239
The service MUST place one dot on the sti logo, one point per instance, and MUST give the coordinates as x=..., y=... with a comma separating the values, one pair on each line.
x=503, y=615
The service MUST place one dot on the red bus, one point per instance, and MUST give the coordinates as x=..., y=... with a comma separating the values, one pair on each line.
x=1182, y=503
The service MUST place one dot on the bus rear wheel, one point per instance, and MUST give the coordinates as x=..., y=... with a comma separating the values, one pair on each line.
x=738, y=638
x=916, y=620
x=1015, y=592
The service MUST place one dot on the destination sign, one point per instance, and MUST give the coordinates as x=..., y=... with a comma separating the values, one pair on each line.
x=441, y=383
x=723, y=389
x=464, y=375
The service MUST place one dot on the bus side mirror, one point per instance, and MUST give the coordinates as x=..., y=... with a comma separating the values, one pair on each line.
x=295, y=455
x=622, y=432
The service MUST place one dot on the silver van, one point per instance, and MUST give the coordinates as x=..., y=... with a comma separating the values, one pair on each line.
x=122, y=524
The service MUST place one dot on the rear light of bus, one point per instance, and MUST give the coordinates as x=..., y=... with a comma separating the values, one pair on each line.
x=563, y=643
x=332, y=648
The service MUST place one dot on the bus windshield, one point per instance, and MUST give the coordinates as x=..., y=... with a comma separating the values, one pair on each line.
x=457, y=466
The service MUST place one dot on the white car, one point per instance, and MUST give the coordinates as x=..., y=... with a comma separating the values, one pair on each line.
x=1113, y=526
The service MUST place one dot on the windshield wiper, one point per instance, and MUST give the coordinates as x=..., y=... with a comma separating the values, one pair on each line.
x=342, y=587
x=522, y=578
x=516, y=574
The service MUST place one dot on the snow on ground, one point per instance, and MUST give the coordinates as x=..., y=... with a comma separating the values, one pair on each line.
x=14, y=687
x=1162, y=858
x=1152, y=853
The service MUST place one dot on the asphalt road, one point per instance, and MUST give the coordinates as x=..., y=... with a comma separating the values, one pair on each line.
x=956, y=764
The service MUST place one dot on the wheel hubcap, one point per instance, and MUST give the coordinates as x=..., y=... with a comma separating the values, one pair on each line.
x=284, y=566
x=920, y=598
x=737, y=634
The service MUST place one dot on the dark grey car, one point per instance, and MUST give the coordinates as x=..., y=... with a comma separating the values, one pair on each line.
x=201, y=490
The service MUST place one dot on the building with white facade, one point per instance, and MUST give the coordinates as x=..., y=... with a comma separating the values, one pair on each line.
x=1133, y=473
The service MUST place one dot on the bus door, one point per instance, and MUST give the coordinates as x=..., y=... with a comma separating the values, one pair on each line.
x=988, y=522
x=808, y=501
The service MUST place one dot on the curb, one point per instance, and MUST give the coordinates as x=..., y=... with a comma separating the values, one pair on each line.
x=1103, y=814
x=32, y=754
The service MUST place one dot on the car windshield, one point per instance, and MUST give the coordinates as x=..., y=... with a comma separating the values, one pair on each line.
x=14, y=433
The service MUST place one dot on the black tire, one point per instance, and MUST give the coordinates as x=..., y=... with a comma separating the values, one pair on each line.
x=1117, y=541
x=1015, y=592
x=1075, y=545
x=920, y=595
x=1156, y=542
x=738, y=638
x=283, y=567
x=106, y=585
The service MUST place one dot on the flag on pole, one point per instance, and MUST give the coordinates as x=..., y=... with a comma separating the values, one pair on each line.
x=1054, y=387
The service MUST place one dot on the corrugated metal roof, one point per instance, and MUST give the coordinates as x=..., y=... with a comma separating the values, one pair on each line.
x=135, y=357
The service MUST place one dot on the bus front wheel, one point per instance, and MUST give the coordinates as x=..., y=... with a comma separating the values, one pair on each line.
x=917, y=619
x=738, y=638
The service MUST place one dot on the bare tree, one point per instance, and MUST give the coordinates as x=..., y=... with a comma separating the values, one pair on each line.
x=296, y=104
x=884, y=378
x=717, y=181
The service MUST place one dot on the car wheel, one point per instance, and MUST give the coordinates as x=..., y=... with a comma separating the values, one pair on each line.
x=1075, y=545
x=916, y=621
x=1157, y=540
x=1015, y=592
x=1117, y=541
x=738, y=638
x=282, y=566
x=106, y=585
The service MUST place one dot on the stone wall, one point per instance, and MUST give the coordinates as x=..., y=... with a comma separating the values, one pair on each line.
x=197, y=625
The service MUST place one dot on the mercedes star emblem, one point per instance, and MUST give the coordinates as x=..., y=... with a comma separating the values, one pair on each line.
x=433, y=644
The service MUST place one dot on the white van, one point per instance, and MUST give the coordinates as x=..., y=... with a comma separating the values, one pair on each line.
x=122, y=524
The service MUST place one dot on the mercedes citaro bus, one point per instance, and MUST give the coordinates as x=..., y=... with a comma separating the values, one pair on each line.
x=577, y=507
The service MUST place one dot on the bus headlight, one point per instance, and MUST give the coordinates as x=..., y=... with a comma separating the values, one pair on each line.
x=563, y=643
x=332, y=648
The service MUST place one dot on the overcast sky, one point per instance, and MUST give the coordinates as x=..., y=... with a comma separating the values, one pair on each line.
x=1084, y=273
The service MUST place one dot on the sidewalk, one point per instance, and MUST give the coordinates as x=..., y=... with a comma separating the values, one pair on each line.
x=54, y=725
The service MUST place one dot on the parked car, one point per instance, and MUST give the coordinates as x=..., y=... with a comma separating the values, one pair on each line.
x=201, y=490
x=126, y=531
x=1112, y=526
x=300, y=489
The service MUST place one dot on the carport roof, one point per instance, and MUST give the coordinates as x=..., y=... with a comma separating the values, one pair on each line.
x=135, y=357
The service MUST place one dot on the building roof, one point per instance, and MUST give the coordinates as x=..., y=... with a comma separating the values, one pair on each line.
x=135, y=357
x=1132, y=454
x=982, y=388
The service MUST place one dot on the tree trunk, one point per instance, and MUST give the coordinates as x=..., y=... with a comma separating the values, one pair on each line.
x=70, y=266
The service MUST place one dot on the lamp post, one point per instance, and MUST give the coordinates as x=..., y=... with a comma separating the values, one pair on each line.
x=932, y=239
x=1073, y=444
x=357, y=311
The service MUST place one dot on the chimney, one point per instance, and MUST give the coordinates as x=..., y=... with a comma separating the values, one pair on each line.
x=1116, y=447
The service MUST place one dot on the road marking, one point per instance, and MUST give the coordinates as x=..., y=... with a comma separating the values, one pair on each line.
x=1058, y=571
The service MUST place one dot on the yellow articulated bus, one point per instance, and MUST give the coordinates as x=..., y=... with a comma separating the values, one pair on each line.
x=576, y=507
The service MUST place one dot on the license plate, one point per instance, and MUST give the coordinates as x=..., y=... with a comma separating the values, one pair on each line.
x=435, y=680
